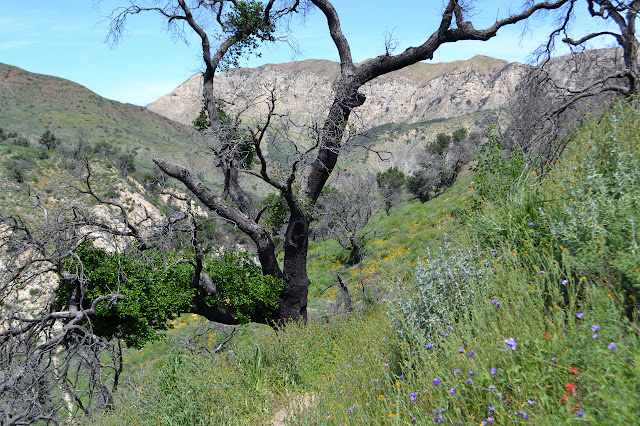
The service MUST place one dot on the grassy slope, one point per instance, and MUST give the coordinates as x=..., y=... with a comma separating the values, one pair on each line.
x=51, y=178
x=356, y=368
x=30, y=103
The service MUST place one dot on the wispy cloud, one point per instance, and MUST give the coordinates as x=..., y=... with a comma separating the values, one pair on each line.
x=15, y=44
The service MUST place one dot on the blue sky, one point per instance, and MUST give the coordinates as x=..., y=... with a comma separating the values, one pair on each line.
x=67, y=39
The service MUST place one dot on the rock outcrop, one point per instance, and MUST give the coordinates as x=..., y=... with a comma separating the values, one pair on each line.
x=421, y=92
x=303, y=89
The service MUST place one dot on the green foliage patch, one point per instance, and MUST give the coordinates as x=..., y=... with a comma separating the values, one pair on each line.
x=241, y=286
x=155, y=291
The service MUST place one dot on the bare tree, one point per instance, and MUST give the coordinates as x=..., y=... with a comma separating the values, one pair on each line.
x=242, y=25
x=391, y=184
x=56, y=362
x=558, y=91
x=345, y=209
x=440, y=164
x=620, y=14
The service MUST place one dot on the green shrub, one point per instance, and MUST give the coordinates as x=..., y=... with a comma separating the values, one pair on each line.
x=598, y=217
x=460, y=134
x=156, y=291
x=496, y=171
x=446, y=283
x=241, y=286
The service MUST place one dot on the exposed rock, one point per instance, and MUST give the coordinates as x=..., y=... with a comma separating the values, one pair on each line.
x=417, y=93
x=421, y=92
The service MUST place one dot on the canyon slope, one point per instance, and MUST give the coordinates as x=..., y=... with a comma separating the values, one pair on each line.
x=421, y=92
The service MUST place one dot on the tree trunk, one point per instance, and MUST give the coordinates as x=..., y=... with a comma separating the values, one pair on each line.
x=293, y=299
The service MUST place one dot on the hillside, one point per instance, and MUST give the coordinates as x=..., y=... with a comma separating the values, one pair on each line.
x=420, y=92
x=508, y=300
x=31, y=103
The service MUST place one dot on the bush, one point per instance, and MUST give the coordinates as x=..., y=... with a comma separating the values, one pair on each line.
x=460, y=134
x=156, y=291
x=49, y=140
x=446, y=283
x=496, y=171
x=390, y=183
x=19, y=168
x=599, y=217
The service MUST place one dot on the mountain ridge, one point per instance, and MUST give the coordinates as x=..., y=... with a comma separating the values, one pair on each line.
x=420, y=92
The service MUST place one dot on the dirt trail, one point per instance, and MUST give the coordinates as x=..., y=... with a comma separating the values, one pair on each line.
x=296, y=405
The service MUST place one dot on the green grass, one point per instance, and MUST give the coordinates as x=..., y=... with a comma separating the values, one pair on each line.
x=551, y=257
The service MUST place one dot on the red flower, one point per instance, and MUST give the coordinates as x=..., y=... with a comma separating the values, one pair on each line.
x=571, y=388
x=564, y=399
x=546, y=335
x=575, y=372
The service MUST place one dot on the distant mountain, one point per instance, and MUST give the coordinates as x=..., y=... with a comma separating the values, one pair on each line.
x=425, y=94
x=421, y=92
x=31, y=103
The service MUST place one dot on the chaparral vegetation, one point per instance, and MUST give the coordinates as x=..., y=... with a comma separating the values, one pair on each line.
x=497, y=283
x=512, y=298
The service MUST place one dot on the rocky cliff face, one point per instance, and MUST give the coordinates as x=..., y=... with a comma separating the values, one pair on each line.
x=303, y=91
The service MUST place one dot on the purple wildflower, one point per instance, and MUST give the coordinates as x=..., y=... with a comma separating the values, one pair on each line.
x=414, y=397
x=595, y=336
x=612, y=346
x=595, y=328
x=452, y=391
x=457, y=371
x=511, y=342
x=532, y=403
x=471, y=373
x=564, y=282
x=492, y=387
x=579, y=315
x=493, y=371
x=436, y=382
x=580, y=413
x=532, y=224
x=468, y=381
